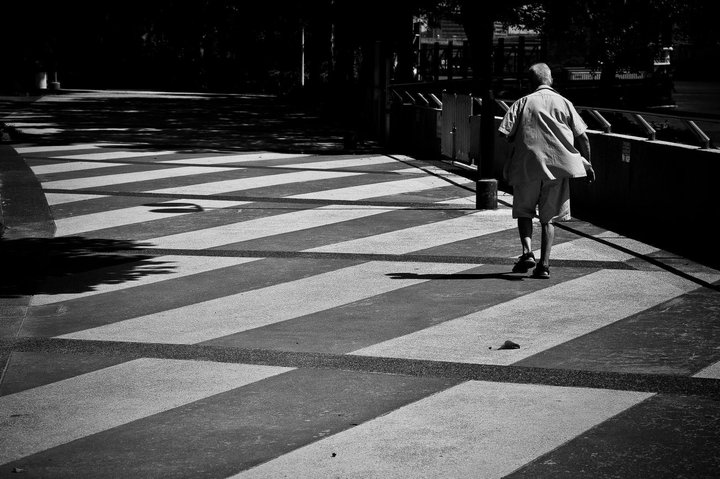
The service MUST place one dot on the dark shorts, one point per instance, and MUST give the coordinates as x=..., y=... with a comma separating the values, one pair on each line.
x=547, y=199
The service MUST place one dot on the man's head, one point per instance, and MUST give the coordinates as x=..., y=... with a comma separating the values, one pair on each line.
x=540, y=74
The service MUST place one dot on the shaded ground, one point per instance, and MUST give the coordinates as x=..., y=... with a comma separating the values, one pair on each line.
x=192, y=122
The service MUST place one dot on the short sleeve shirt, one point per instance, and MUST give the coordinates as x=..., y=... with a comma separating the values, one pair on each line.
x=542, y=127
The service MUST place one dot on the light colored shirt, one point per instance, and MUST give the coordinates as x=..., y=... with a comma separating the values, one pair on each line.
x=542, y=127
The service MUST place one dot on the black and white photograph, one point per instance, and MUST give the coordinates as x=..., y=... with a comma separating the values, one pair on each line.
x=342, y=239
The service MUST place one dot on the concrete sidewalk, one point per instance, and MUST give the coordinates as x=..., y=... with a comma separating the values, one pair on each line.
x=185, y=306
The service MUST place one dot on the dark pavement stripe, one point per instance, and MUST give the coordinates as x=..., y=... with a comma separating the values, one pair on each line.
x=233, y=431
x=675, y=337
x=285, y=189
x=502, y=243
x=363, y=323
x=656, y=383
x=99, y=205
x=96, y=172
x=240, y=196
x=26, y=370
x=410, y=257
x=666, y=436
x=101, y=309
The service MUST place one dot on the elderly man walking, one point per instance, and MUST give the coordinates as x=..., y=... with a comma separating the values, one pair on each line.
x=548, y=147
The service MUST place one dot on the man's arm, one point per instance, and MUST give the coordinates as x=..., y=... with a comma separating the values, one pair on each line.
x=583, y=145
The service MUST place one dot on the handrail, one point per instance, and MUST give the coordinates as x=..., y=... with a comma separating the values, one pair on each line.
x=606, y=126
x=430, y=100
x=704, y=139
x=422, y=98
x=649, y=130
x=436, y=100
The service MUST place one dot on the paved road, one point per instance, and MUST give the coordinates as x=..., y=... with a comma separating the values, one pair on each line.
x=701, y=98
x=227, y=297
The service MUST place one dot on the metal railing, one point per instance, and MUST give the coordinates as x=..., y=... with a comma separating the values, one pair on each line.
x=450, y=127
x=650, y=125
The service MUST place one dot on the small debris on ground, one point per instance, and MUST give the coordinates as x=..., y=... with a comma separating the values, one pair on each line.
x=508, y=345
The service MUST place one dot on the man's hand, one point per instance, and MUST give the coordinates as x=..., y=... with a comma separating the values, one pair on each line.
x=590, y=175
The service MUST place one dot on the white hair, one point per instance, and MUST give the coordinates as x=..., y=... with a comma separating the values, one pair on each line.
x=540, y=74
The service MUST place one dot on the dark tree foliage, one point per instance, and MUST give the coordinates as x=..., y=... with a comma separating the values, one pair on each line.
x=240, y=45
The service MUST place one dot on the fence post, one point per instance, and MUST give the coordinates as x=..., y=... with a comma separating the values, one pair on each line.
x=465, y=58
x=436, y=61
x=500, y=56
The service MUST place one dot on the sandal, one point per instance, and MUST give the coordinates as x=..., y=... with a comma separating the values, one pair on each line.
x=524, y=263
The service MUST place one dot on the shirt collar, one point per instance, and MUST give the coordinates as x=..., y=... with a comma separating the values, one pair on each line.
x=544, y=87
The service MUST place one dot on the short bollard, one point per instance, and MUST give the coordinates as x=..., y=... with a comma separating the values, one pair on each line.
x=486, y=194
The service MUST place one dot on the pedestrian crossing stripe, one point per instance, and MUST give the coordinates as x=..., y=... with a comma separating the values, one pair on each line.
x=265, y=226
x=475, y=429
x=253, y=309
x=48, y=169
x=115, y=155
x=240, y=184
x=240, y=158
x=75, y=225
x=54, y=199
x=159, y=269
x=26, y=150
x=146, y=175
x=63, y=411
x=537, y=321
x=388, y=188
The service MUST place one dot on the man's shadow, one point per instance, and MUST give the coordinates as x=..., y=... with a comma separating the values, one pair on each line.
x=509, y=276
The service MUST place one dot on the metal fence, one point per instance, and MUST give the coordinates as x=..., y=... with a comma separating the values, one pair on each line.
x=451, y=126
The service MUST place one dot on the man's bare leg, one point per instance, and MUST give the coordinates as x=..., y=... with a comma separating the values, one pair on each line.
x=547, y=239
x=525, y=229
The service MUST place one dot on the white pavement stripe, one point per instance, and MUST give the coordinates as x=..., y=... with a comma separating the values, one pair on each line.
x=428, y=235
x=115, y=155
x=267, y=226
x=539, y=320
x=158, y=269
x=61, y=148
x=62, y=198
x=477, y=429
x=107, y=180
x=253, y=309
x=242, y=158
x=710, y=372
x=425, y=169
x=337, y=164
x=462, y=201
x=388, y=188
x=61, y=412
x=226, y=186
x=71, y=166
x=74, y=225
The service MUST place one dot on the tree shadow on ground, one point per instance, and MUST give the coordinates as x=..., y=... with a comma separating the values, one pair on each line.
x=71, y=265
x=185, y=122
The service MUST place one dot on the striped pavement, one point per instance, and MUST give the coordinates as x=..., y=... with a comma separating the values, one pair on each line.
x=268, y=315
